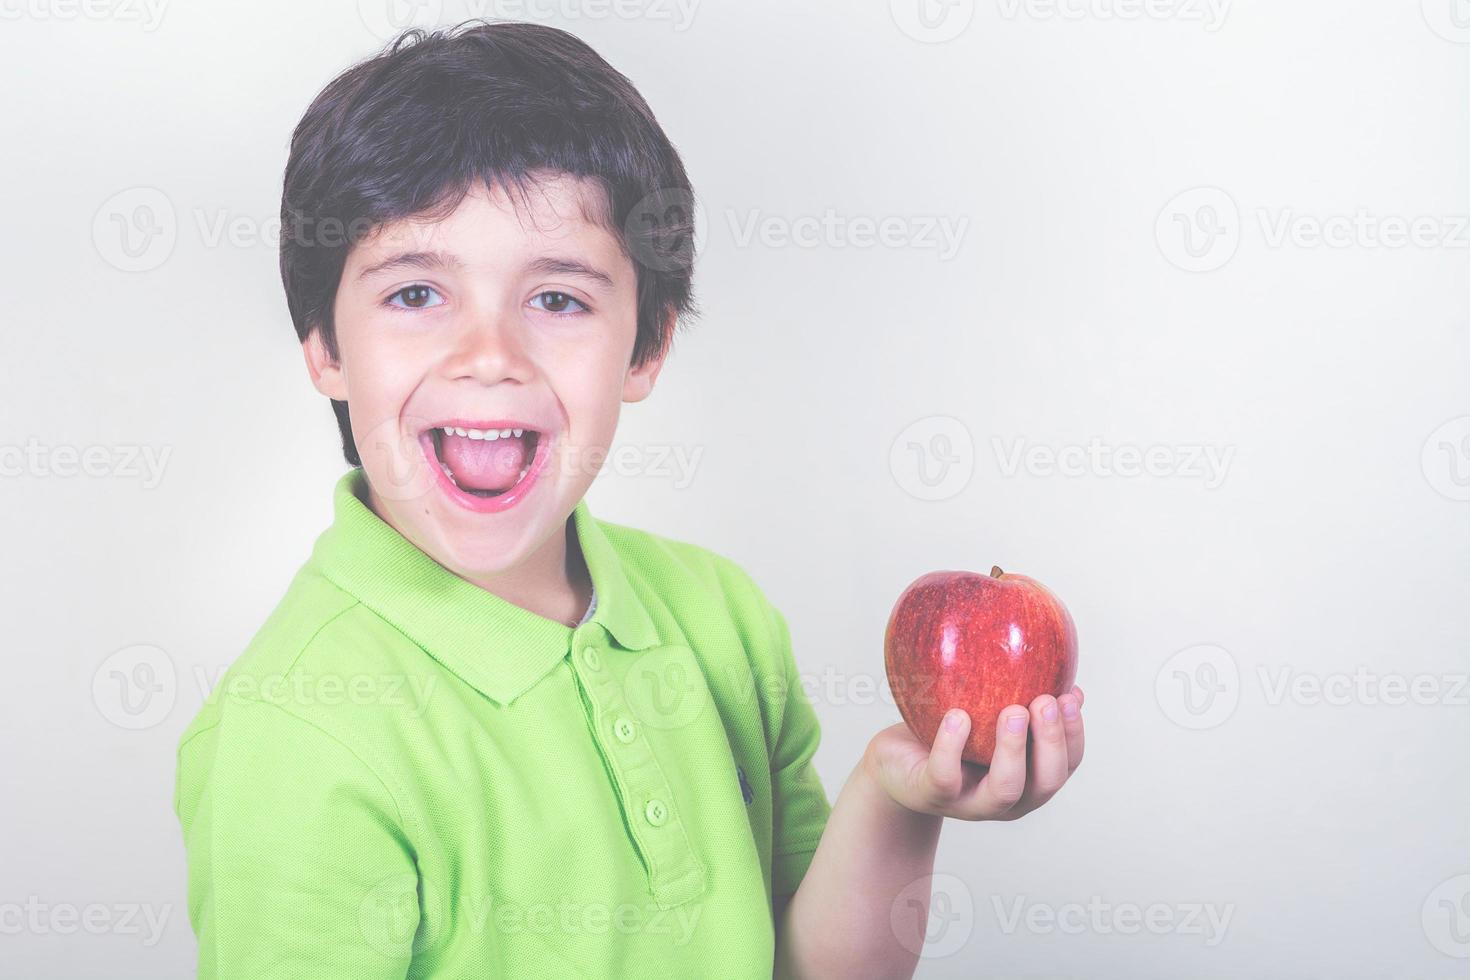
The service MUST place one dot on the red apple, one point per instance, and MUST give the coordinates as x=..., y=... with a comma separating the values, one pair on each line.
x=977, y=642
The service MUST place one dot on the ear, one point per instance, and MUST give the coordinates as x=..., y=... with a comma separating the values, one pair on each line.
x=327, y=375
x=638, y=382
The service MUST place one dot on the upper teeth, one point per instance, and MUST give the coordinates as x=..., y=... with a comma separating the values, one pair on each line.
x=483, y=433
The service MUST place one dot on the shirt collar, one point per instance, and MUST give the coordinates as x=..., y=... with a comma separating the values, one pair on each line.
x=495, y=646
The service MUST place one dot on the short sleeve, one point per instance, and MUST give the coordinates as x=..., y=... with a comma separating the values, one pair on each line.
x=298, y=866
x=799, y=804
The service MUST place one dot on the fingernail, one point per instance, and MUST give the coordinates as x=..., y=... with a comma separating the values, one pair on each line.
x=1049, y=712
x=1069, y=708
x=953, y=720
x=1016, y=724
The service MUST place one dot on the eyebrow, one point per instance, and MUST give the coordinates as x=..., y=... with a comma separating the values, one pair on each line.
x=555, y=265
x=418, y=260
x=547, y=265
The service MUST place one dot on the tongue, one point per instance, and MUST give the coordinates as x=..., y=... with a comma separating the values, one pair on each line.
x=483, y=464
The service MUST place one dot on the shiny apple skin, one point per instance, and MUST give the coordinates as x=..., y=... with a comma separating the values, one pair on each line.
x=979, y=642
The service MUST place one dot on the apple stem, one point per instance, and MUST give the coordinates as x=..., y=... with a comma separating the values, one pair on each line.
x=995, y=571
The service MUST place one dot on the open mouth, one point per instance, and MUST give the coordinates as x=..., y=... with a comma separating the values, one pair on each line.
x=485, y=462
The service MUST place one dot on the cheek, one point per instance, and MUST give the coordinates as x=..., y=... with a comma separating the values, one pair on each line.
x=590, y=397
x=381, y=367
x=585, y=365
x=592, y=404
x=381, y=375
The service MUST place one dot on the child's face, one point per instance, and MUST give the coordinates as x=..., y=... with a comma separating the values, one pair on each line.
x=489, y=320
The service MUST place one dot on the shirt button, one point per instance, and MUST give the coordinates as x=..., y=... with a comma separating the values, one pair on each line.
x=657, y=812
x=624, y=730
x=591, y=659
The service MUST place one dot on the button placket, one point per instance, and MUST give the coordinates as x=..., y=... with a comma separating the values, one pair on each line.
x=591, y=658
x=675, y=875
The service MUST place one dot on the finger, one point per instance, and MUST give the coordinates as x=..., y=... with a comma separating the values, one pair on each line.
x=1072, y=725
x=943, y=774
x=1080, y=696
x=1005, y=781
x=1048, y=750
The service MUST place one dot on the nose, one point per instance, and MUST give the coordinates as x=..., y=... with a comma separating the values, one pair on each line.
x=489, y=349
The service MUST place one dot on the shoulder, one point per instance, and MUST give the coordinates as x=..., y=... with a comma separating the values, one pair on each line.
x=316, y=630
x=709, y=602
x=704, y=598
x=682, y=568
x=273, y=705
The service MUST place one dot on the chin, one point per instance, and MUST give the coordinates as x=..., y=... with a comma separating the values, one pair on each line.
x=483, y=546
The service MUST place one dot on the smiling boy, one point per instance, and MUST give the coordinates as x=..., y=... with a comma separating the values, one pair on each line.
x=608, y=773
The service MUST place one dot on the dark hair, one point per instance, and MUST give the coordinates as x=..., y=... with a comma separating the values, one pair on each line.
x=410, y=131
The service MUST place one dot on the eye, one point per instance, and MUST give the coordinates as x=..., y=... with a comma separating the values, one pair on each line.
x=415, y=297
x=558, y=302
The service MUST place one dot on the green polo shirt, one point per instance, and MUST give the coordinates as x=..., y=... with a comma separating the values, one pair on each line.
x=405, y=775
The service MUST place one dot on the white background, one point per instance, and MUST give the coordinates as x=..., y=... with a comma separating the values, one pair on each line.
x=1137, y=189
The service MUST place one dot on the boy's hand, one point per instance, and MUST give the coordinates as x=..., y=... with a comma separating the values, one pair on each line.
x=937, y=782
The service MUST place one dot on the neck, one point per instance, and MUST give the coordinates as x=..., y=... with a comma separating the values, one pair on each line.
x=553, y=582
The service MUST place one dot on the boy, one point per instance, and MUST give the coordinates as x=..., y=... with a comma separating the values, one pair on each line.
x=484, y=733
